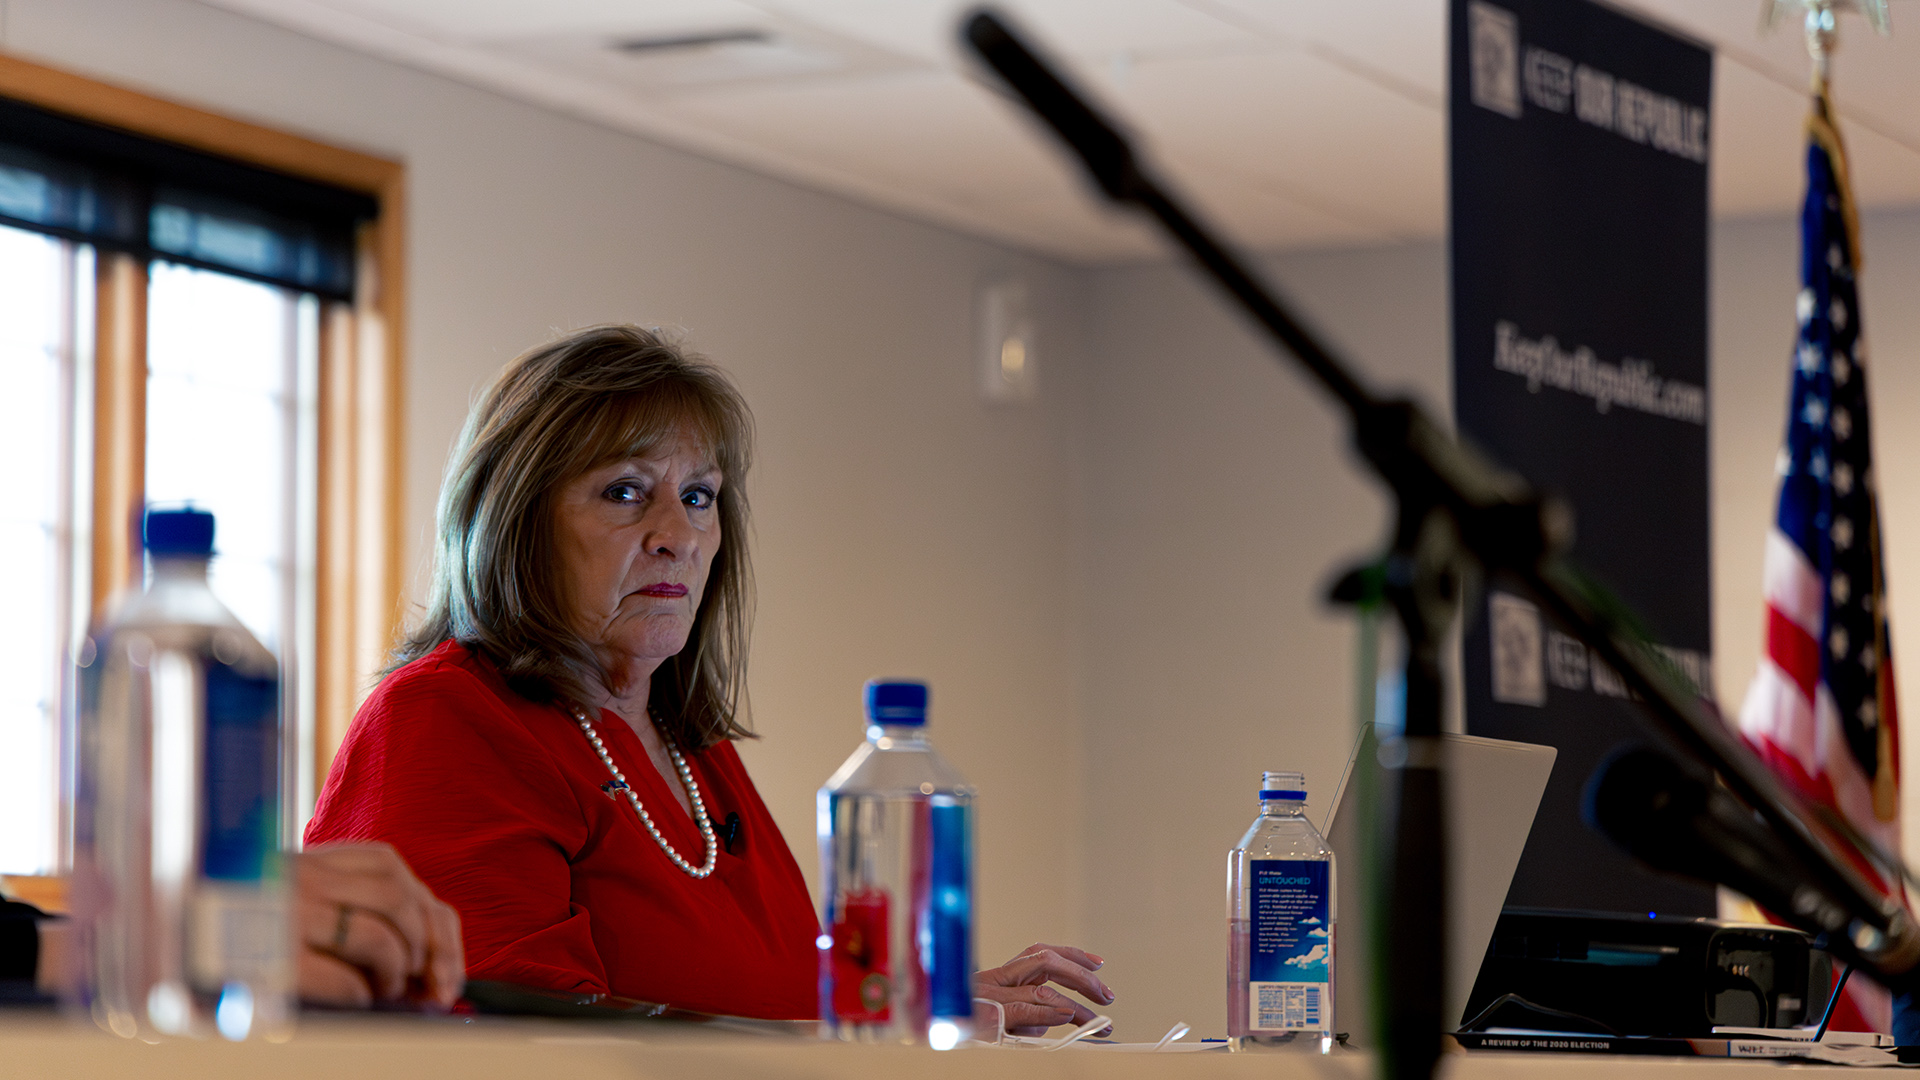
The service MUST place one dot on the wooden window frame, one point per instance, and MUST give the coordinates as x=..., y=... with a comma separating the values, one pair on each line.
x=358, y=601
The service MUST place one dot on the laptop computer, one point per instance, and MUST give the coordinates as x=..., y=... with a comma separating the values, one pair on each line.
x=1493, y=790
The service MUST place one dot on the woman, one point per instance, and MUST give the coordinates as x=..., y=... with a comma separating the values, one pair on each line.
x=553, y=753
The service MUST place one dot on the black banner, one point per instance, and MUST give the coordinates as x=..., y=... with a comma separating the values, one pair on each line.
x=1579, y=242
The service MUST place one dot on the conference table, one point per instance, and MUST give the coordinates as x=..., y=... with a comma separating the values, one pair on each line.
x=378, y=1047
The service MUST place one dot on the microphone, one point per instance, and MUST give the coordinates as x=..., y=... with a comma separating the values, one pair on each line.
x=730, y=831
x=1678, y=821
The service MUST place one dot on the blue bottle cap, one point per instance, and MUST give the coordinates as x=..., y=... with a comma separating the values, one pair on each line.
x=184, y=533
x=896, y=701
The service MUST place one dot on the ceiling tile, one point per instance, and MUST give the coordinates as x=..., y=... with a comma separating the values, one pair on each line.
x=789, y=56
x=930, y=130
x=1403, y=43
x=481, y=20
x=1308, y=129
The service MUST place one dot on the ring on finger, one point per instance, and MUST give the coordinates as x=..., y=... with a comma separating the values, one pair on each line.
x=340, y=927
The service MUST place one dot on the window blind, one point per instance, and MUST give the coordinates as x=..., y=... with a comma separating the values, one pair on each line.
x=125, y=192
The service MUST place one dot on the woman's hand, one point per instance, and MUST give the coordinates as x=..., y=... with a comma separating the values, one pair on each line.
x=370, y=931
x=1020, y=986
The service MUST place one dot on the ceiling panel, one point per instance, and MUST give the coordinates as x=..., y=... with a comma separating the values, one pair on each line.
x=1402, y=45
x=482, y=20
x=928, y=128
x=1307, y=128
x=1294, y=123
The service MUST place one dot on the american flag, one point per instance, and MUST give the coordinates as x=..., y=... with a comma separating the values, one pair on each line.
x=1821, y=707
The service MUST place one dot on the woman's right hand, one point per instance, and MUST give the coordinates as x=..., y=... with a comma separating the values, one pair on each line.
x=370, y=931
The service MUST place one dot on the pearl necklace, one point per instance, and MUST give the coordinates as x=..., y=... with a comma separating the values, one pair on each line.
x=686, y=781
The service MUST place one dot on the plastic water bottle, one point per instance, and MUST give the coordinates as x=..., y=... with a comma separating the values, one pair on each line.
x=895, y=824
x=1281, y=924
x=181, y=905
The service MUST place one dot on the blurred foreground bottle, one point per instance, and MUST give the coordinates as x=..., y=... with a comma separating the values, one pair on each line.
x=182, y=911
x=896, y=867
x=1280, y=924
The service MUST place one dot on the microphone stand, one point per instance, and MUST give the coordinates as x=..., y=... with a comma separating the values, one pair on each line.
x=1457, y=513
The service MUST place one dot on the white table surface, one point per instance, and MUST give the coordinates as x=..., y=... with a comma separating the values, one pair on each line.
x=338, y=1047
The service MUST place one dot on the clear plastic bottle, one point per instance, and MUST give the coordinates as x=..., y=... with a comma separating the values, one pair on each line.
x=182, y=909
x=1281, y=924
x=895, y=825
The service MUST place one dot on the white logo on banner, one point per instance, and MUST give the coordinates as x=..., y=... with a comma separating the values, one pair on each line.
x=1557, y=84
x=1630, y=384
x=1519, y=676
x=1493, y=35
x=1501, y=70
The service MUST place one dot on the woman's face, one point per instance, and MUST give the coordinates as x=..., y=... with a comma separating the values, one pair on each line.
x=635, y=540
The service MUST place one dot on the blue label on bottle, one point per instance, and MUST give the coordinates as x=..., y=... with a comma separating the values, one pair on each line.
x=1290, y=945
x=241, y=841
x=949, y=932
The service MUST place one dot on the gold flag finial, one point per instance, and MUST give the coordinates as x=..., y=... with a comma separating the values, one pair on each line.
x=1822, y=20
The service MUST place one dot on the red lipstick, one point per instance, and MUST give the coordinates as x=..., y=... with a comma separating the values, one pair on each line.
x=664, y=588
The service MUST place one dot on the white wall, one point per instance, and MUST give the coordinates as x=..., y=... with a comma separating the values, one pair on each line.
x=903, y=527
x=1222, y=503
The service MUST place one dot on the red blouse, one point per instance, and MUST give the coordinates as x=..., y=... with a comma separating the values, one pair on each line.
x=503, y=809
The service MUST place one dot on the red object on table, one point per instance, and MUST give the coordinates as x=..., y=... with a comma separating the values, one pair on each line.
x=503, y=809
x=862, y=975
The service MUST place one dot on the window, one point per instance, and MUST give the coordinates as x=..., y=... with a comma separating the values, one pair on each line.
x=232, y=387
x=44, y=312
x=191, y=309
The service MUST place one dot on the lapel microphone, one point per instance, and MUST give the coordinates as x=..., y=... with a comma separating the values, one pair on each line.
x=730, y=831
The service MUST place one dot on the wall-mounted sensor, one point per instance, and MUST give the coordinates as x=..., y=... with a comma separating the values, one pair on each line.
x=1005, y=361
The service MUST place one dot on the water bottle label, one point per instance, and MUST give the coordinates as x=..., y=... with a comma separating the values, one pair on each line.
x=862, y=982
x=1290, y=947
x=950, y=909
x=242, y=819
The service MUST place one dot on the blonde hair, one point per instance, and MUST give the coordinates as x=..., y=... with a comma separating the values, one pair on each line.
x=594, y=396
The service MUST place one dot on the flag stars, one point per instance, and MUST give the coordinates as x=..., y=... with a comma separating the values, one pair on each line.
x=1834, y=256
x=1843, y=478
x=1869, y=713
x=1867, y=658
x=1808, y=358
x=1837, y=643
x=1840, y=588
x=1817, y=465
x=1841, y=370
x=1803, y=306
x=1837, y=314
x=1815, y=413
x=1842, y=533
x=1842, y=424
